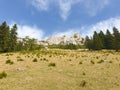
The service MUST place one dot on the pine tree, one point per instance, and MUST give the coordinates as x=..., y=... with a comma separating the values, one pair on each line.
x=89, y=43
x=116, y=38
x=13, y=38
x=109, y=40
x=97, y=44
x=4, y=37
x=102, y=37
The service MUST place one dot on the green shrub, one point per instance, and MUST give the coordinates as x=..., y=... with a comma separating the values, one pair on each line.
x=51, y=64
x=3, y=75
x=35, y=60
x=9, y=62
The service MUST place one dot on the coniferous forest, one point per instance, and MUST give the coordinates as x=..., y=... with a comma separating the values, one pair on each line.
x=9, y=41
x=108, y=40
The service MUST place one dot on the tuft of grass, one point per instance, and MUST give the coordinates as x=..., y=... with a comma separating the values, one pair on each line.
x=83, y=73
x=3, y=75
x=20, y=59
x=44, y=59
x=101, y=61
x=9, y=62
x=52, y=64
x=7, y=54
x=35, y=60
x=92, y=62
x=110, y=62
x=83, y=83
x=97, y=57
x=80, y=62
x=50, y=56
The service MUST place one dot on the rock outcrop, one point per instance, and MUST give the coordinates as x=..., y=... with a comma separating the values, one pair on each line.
x=76, y=39
x=54, y=40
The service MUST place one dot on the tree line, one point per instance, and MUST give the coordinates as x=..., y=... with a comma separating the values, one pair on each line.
x=69, y=46
x=108, y=40
x=8, y=37
x=9, y=41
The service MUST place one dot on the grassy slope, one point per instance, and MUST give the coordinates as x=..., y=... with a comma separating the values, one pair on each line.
x=68, y=74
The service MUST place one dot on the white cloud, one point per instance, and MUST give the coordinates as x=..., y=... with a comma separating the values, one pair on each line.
x=35, y=32
x=89, y=30
x=31, y=31
x=27, y=30
x=65, y=6
x=94, y=6
x=41, y=4
x=103, y=25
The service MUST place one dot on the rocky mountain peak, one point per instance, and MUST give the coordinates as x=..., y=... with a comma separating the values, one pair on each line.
x=76, y=39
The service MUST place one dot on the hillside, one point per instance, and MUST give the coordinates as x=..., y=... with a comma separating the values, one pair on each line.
x=60, y=70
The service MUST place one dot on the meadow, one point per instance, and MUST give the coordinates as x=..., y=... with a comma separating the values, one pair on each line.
x=60, y=70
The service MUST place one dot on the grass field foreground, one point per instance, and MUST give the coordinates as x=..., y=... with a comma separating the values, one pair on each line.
x=60, y=70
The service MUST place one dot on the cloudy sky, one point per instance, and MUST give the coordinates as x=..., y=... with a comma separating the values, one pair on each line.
x=43, y=18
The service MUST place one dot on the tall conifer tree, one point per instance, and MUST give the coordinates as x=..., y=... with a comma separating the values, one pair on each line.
x=13, y=38
x=109, y=40
x=97, y=44
x=4, y=37
x=116, y=38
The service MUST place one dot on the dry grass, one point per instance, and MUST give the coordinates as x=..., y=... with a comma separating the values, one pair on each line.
x=74, y=70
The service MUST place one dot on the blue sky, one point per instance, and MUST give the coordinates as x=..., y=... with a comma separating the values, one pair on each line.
x=43, y=18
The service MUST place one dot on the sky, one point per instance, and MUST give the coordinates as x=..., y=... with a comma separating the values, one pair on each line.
x=42, y=18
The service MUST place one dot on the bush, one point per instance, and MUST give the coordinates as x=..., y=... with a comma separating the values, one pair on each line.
x=52, y=65
x=9, y=62
x=35, y=60
x=3, y=75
